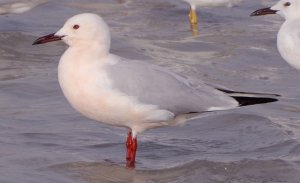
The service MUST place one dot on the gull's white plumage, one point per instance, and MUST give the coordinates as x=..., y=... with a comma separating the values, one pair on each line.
x=123, y=92
x=288, y=42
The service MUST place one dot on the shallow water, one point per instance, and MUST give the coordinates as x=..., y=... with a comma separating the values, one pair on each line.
x=44, y=140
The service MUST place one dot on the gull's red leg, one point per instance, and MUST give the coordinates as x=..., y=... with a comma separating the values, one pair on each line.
x=131, y=162
x=134, y=148
x=129, y=146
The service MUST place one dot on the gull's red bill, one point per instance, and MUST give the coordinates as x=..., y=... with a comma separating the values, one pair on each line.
x=47, y=39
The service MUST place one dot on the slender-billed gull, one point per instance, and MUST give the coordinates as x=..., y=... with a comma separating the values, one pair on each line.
x=288, y=38
x=207, y=3
x=127, y=93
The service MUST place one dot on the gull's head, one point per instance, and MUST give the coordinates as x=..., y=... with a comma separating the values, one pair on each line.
x=85, y=29
x=289, y=9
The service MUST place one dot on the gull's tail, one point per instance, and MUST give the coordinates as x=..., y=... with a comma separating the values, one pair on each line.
x=245, y=98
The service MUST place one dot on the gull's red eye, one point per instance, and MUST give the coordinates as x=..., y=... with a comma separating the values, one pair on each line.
x=287, y=4
x=76, y=26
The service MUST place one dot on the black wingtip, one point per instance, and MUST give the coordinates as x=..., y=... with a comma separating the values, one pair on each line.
x=246, y=98
x=245, y=101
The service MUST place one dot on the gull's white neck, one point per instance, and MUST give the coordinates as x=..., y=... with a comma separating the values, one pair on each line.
x=83, y=78
x=288, y=42
x=82, y=64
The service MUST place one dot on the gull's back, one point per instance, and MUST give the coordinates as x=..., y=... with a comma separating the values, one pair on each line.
x=153, y=85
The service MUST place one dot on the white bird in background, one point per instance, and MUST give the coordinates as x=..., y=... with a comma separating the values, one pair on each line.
x=19, y=6
x=288, y=38
x=207, y=3
x=127, y=93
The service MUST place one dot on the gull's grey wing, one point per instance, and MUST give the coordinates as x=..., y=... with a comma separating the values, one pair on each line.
x=151, y=84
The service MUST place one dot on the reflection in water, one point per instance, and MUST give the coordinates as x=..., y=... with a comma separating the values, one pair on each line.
x=207, y=171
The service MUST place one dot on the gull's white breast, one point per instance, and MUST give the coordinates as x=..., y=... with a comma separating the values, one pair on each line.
x=88, y=88
x=288, y=43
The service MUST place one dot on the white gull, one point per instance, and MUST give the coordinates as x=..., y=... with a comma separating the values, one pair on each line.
x=127, y=93
x=288, y=38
